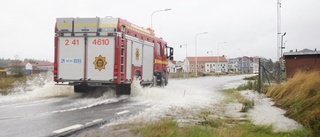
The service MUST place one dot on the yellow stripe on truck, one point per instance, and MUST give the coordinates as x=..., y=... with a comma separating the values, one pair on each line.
x=158, y=61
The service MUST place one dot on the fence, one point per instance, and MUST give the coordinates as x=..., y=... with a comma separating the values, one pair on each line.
x=268, y=75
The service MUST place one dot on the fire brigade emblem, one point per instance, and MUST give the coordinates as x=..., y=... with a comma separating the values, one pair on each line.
x=137, y=54
x=100, y=62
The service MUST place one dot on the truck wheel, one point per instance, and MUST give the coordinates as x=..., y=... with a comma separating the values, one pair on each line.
x=82, y=88
x=160, y=79
x=154, y=81
x=166, y=82
x=162, y=82
x=123, y=89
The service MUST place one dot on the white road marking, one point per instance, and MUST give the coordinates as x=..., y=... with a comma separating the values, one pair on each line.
x=123, y=112
x=93, y=121
x=67, y=128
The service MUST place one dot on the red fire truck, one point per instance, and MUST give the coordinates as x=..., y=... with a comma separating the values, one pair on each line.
x=108, y=52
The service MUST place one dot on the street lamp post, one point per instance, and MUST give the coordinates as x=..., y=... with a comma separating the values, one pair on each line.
x=281, y=58
x=155, y=12
x=196, y=51
x=211, y=68
x=218, y=55
x=283, y=47
x=282, y=43
x=186, y=55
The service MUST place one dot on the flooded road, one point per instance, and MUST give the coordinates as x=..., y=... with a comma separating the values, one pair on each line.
x=50, y=109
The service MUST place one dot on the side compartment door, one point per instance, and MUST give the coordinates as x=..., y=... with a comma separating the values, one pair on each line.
x=137, y=53
x=71, y=58
x=129, y=59
x=148, y=58
x=100, y=58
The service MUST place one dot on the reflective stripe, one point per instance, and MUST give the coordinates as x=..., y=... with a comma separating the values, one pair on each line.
x=158, y=61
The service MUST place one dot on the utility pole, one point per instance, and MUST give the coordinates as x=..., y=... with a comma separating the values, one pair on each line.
x=279, y=37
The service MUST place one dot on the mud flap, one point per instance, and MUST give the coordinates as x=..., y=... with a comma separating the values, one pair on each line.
x=123, y=89
x=82, y=88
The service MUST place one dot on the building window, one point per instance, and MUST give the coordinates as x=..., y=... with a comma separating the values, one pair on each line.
x=192, y=66
x=202, y=66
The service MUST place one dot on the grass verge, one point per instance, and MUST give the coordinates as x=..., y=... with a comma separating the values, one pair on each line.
x=171, y=128
x=235, y=96
x=300, y=96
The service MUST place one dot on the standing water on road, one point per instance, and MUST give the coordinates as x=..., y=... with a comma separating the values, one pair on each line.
x=187, y=95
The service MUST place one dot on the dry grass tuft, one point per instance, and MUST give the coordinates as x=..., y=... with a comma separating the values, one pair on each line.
x=7, y=83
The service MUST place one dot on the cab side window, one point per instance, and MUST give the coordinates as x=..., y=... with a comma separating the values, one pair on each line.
x=159, y=49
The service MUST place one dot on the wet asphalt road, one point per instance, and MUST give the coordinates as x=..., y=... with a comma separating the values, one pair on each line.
x=46, y=117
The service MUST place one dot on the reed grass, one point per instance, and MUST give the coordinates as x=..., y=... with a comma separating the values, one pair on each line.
x=7, y=84
x=300, y=96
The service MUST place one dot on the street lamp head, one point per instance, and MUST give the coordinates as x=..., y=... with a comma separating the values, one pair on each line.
x=284, y=34
x=155, y=12
x=183, y=45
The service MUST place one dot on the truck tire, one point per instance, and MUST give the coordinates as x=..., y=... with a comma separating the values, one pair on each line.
x=161, y=80
x=164, y=79
x=154, y=81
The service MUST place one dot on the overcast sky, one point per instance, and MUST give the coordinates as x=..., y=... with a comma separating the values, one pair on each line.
x=249, y=27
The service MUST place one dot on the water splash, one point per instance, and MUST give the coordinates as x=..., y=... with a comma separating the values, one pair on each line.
x=136, y=88
x=40, y=86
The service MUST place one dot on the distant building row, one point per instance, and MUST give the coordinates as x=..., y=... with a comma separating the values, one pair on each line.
x=212, y=64
x=28, y=68
x=293, y=61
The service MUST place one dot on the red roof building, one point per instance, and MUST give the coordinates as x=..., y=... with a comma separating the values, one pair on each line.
x=208, y=64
